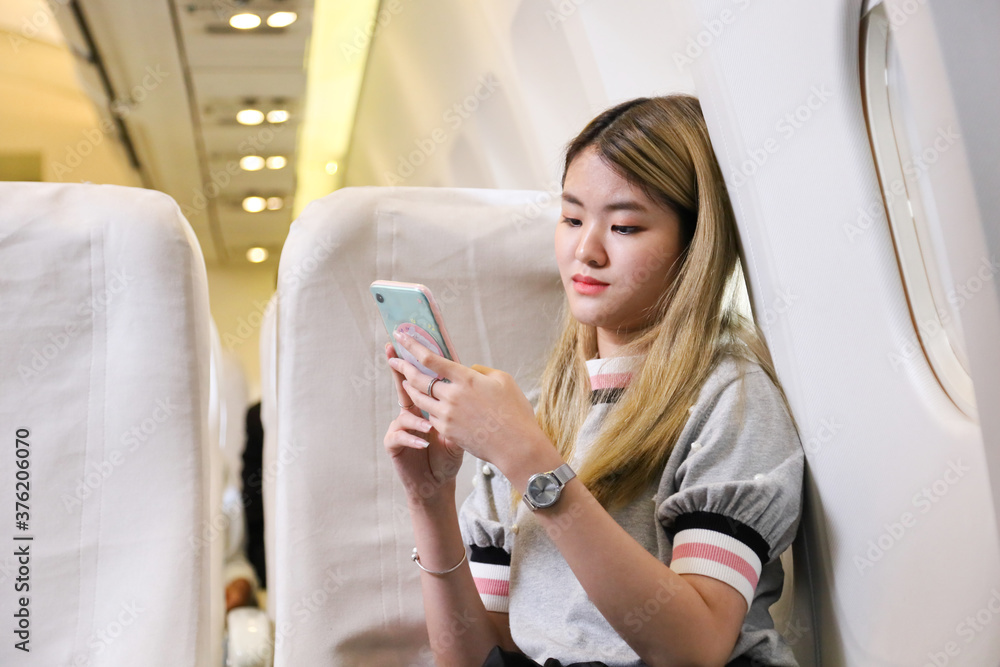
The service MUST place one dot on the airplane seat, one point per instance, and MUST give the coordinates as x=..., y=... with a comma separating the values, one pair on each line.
x=344, y=590
x=236, y=400
x=237, y=641
x=268, y=419
x=899, y=527
x=216, y=532
x=104, y=351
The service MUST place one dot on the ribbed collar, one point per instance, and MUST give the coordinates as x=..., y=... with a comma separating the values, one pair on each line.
x=609, y=377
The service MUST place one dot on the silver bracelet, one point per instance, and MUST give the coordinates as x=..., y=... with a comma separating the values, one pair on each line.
x=416, y=559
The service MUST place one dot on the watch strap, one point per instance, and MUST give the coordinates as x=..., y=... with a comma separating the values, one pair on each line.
x=564, y=473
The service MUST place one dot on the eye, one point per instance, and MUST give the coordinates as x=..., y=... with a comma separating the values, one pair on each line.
x=573, y=222
x=624, y=230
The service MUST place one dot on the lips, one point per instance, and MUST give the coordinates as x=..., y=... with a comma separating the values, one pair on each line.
x=587, y=280
x=587, y=285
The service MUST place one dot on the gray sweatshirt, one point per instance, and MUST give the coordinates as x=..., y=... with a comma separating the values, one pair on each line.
x=726, y=506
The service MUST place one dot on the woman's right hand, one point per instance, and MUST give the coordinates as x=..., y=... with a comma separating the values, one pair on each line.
x=426, y=463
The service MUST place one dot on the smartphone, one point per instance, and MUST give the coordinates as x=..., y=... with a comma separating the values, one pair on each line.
x=410, y=308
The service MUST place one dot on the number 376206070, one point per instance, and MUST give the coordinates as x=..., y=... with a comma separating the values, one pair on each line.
x=22, y=475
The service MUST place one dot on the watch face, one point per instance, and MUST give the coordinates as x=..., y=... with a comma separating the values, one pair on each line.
x=543, y=489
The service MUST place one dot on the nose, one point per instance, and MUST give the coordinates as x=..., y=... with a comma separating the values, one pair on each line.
x=590, y=247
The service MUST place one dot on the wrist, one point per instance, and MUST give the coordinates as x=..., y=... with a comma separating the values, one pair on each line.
x=431, y=495
x=539, y=455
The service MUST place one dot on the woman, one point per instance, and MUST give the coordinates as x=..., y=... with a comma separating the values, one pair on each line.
x=657, y=389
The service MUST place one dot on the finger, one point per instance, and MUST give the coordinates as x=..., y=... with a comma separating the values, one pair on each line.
x=445, y=368
x=411, y=422
x=421, y=399
x=397, y=378
x=396, y=441
x=416, y=378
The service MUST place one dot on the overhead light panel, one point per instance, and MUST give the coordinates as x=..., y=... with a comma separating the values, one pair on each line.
x=252, y=163
x=257, y=255
x=250, y=117
x=331, y=167
x=275, y=203
x=276, y=162
x=254, y=204
x=277, y=116
x=281, y=19
x=244, y=21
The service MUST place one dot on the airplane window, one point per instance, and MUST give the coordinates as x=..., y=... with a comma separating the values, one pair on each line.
x=903, y=164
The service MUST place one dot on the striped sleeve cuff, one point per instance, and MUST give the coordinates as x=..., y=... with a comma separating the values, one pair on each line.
x=700, y=547
x=491, y=571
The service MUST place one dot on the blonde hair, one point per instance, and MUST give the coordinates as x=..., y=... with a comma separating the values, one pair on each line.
x=660, y=145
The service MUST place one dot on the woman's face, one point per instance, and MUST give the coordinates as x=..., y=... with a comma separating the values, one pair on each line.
x=611, y=232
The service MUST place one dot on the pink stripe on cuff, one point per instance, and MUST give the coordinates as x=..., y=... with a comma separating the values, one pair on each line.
x=492, y=586
x=610, y=380
x=720, y=555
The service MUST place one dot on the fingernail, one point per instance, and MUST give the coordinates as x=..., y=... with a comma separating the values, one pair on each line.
x=425, y=426
x=398, y=335
x=420, y=442
x=394, y=363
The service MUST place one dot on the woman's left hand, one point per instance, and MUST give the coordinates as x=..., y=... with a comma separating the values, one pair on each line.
x=480, y=409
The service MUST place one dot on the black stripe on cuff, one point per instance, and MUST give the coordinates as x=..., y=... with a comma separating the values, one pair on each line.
x=608, y=395
x=489, y=555
x=721, y=523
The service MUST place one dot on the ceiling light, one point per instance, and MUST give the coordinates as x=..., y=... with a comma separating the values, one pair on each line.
x=281, y=19
x=276, y=162
x=252, y=162
x=254, y=204
x=250, y=117
x=277, y=116
x=257, y=255
x=331, y=167
x=244, y=21
x=275, y=203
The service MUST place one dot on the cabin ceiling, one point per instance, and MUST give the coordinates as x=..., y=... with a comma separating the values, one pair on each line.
x=171, y=77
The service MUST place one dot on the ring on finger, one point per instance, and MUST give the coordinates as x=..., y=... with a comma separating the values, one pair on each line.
x=430, y=387
x=404, y=406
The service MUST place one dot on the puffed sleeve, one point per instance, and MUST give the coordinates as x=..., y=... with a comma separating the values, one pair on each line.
x=736, y=497
x=484, y=522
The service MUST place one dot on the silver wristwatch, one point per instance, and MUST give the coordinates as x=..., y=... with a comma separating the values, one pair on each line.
x=544, y=488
